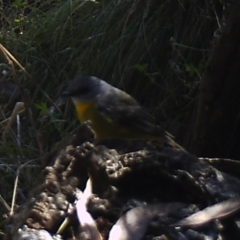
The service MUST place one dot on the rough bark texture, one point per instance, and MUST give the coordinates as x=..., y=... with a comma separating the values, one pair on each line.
x=125, y=174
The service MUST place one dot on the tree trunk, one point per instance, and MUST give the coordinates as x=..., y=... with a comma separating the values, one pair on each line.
x=217, y=132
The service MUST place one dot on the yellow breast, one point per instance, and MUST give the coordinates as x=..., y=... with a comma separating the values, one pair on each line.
x=103, y=126
x=83, y=110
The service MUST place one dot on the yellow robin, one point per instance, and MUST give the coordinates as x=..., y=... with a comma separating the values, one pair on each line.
x=111, y=112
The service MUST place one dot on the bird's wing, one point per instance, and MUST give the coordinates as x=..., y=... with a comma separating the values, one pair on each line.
x=123, y=110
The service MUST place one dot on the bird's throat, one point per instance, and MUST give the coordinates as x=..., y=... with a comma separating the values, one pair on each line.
x=83, y=110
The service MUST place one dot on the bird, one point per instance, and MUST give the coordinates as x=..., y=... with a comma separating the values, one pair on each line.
x=111, y=112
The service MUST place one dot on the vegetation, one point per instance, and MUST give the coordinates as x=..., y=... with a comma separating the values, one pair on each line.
x=155, y=50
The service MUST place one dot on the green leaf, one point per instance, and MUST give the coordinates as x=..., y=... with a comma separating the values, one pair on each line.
x=42, y=107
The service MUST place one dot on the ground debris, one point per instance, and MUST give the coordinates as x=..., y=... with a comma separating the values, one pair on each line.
x=130, y=179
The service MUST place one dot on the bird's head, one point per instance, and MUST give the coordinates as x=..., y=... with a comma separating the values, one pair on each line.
x=86, y=88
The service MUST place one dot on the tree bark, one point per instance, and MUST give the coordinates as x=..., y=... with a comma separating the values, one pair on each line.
x=217, y=132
